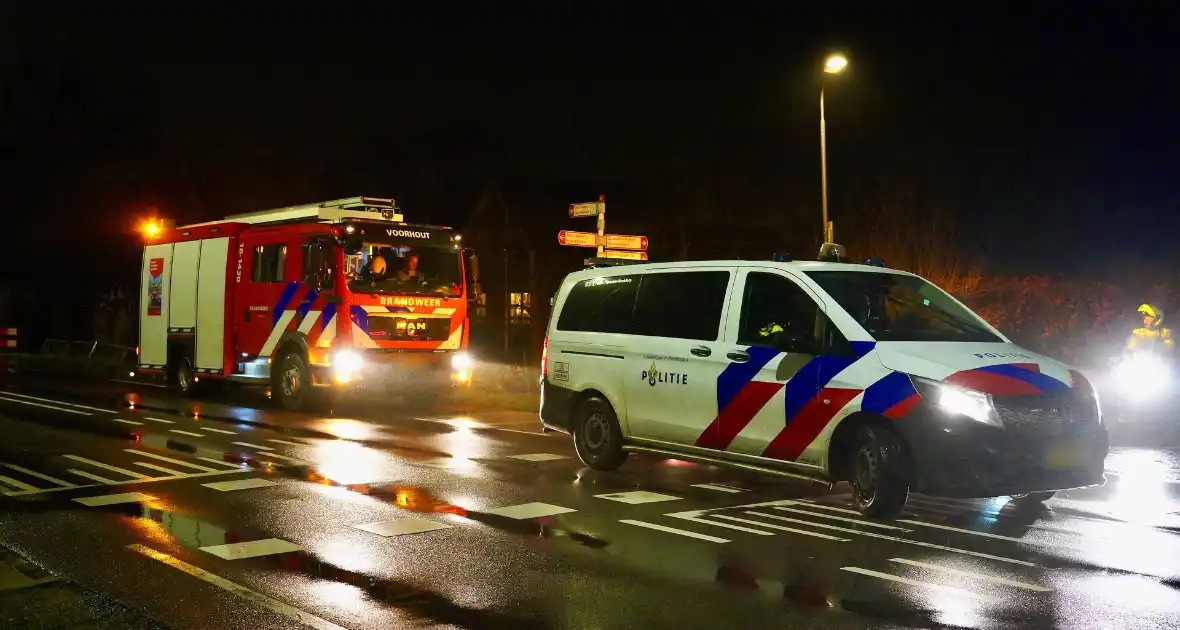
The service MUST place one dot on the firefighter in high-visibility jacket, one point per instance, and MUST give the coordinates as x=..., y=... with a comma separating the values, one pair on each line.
x=1152, y=337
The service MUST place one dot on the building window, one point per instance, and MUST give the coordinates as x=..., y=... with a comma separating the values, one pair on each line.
x=519, y=307
x=481, y=305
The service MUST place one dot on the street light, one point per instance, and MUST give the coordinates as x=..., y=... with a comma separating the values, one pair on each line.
x=835, y=64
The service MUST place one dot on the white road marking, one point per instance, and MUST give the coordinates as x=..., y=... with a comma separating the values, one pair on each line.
x=530, y=510
x=124, y=471
x=168, y=459
x=673, y=530
x=239, y=484
x=538, y=457
x=252, y=549
x=160, y=420
x=718, y=487
x=33, y=473
x=287, y=443
x=402, y=526
x=166, y=471
x=893, y=538
x=975, y=533
x=218, y=461
x=19, y=485
x=83, y=473
x=293, y=460
x=249, y=445
x=221, y=431
x=858, y=521
x=54, y=407
x=779, y=527
x=113, y=499
x=694, y=517
x=59, y=402
x=273, y=605
x=637, y=497
x=131, y=422
x=186, y=433
x=972, y=574
x=902, y=580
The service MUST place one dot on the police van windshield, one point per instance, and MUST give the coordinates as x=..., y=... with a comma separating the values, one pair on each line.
x=895, y=307
x=405, y=270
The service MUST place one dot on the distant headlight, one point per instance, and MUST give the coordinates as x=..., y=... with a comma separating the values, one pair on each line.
x=959, y=401
x=461, y=361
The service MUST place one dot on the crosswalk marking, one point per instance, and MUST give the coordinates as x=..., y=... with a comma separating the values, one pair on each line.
x=169, y=460
x=33, y=473
x=249, y=445
x=673, y=530
x=971, y=574
x=92, y=477
x=286, y=442
x=191, y=433
x=131, y=422
x=239, y=484
x=218, y=461
x=160, y=420
x=717, y=487
x=779, y=527
x=902, y=580
x=402, y=526
x=637, y=497
x=975, y=533
x=19, y=485
x=113, y=499
x=166, y=471
x=252, y=549
x=526, y=511
x=693, y=517
x=858, y=521
x=893, y=538
x=58, y=402
x=123, y=471
x=221, y=431
x=53, y=407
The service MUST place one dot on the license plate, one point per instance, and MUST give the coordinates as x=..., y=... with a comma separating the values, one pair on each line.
x=1065, y=456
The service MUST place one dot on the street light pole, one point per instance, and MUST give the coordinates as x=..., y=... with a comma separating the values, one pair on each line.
x=835, y=64
x=823, y=166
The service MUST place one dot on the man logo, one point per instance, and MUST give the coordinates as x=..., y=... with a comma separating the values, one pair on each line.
x=653, y=375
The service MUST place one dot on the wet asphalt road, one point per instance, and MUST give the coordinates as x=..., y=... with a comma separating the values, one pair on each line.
x=220, y=516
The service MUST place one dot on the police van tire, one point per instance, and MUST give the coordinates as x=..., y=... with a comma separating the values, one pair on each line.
x=880, y=483
x=291, y=382
x=597, y=437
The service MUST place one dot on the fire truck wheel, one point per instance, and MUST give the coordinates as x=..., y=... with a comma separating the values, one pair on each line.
x=291, y=382
x=598, y=440
x=182, y=376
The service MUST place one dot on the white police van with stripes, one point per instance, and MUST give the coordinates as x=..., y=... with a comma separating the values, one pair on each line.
x=824, y=370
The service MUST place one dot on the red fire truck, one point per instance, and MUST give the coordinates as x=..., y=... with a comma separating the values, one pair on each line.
x=336, y=293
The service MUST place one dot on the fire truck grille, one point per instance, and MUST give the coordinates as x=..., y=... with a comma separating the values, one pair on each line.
x=409, y=329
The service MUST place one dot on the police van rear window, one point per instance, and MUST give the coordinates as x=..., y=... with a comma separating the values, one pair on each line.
x=680, y=305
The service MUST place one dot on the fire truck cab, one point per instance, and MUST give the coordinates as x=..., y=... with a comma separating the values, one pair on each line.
x=338, y=293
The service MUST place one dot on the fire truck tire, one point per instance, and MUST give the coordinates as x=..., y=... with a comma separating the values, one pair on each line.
x=291, y=382
x=598, y=441
x=182, y=376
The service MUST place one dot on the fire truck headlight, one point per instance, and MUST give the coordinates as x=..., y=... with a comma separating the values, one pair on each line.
x=345, y=364
x=461, y=361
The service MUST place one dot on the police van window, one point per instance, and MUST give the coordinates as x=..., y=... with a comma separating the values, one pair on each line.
x=684, y=305
x=601, y=305
x=268, y=262
x=896, y=307
x=774, y=309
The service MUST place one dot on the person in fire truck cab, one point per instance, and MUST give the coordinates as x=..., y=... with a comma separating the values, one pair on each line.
x=1152, y=337
x=409, y=272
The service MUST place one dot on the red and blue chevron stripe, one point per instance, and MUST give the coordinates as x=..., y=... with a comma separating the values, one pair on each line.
x=1008, y=379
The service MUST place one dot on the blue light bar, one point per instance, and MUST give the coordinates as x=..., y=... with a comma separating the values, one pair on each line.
x=781, y=257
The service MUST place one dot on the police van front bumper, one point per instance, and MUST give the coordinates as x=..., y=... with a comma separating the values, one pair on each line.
x=959, y=456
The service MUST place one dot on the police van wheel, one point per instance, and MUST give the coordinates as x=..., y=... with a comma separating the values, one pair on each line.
x=291, y=382
x=597, y=437
x=879, y=481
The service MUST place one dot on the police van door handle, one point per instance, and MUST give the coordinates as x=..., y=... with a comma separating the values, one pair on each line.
x=701, y=351
x=738, y=357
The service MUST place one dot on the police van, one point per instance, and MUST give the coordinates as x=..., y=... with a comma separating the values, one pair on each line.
x=829, y=371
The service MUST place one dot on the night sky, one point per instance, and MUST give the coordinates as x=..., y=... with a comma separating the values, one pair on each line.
x=1051, y=135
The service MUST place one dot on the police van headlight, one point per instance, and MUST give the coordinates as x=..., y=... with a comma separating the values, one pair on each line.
x=345, y=365
x=959, y=401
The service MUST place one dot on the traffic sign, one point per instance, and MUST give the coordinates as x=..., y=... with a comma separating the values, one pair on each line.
x=610, y=253
x=624, y=241
x=577, y=239
x=588, y=209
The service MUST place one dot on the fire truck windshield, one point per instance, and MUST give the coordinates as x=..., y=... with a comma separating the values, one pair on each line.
x=406, y=270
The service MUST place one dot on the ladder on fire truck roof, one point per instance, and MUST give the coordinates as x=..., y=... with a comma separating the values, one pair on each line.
x=336, y=211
